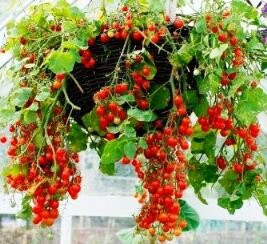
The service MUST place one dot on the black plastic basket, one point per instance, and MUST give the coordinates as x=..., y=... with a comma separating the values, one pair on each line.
x=107, y=56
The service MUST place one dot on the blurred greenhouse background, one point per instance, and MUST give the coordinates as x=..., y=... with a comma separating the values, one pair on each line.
x=106, y=203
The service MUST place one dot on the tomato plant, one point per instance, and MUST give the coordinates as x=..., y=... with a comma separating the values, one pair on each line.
x=180, y=106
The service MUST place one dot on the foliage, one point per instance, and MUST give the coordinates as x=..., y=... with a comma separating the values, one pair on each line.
x=206, y=66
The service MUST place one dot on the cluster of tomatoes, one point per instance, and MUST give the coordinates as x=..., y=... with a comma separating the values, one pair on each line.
x=87, y=59
x=161, y=167
x=227, y=34
x=164, y=176
x=220, y=116
x=244, y=160
x=41, y=165
x=109, y=112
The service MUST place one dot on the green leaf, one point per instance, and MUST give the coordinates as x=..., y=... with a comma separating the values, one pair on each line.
x=91, y=122
x=43, y=94
x=113, y=129
x=262, y=197
x=156, y=5
x=142, y=143
x=218, y=52
x=182, y=57
x=241, y=79
x=14, y=170
x=141, y=115
x=146, y=62
x=191, y=98
x=210, y=84
x=113, y=152
x=29, y=116
x=21, y=96
x=252, y=102
x=125, y=99
x=108, y=169
x=223, y=202
x=190, y=215
x=204, y=143
x=241, y=8
x=61, y=62
x=77, y=138
x=200, y=175
x=202, y=107
x=8, y=116
x=209, y=146
x=128, y=130
x=231, y=206
x=200, y=25
x=129, y=236
x=69, y=26
x=38, y=138
x=26, y=211
x=229, y=181
x=160, y=97
x=130, y=149
x=255, y=44
x=34, y=107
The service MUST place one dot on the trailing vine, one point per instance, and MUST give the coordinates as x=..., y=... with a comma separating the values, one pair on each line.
x=179, y=103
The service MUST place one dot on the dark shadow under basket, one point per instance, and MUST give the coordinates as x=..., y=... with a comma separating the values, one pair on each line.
x=107, y=56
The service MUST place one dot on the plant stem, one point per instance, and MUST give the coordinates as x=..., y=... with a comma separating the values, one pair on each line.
x=68, y=99
x=76, y=82
x=117, y=67
x=171, y=81
x=48, y=140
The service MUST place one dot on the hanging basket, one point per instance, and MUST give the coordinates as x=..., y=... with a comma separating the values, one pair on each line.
x=107, y=56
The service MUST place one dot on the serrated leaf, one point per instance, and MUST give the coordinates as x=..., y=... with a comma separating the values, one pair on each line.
x=191, y=98
x=255, y=44
x=200, y=25
x=113, y=151
x=160, y=97
x=241, y=79
x=157, y=5
x=38, y=138
x=43, y=94
x=128, y=131
x=125, y=99
x=29, y=116
x=190, y=215
x=203, y=143
x=252, y=102
x=8, y=116
x=69, y=26
x=142, y=115
x=202, y=107
x=77, y=138
x=241, y=8
x=34, y=107
x=26, y=211
x=91, y=122
x=129, y=236
x=200, y=175
x=21, y=96
x=14, y=170
x=182, y=57
x=113, y=129
x=61, y=62
x=130, y=149
x=142, y=143
x=218, y=52
x=108, y=169
x=210, y=83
